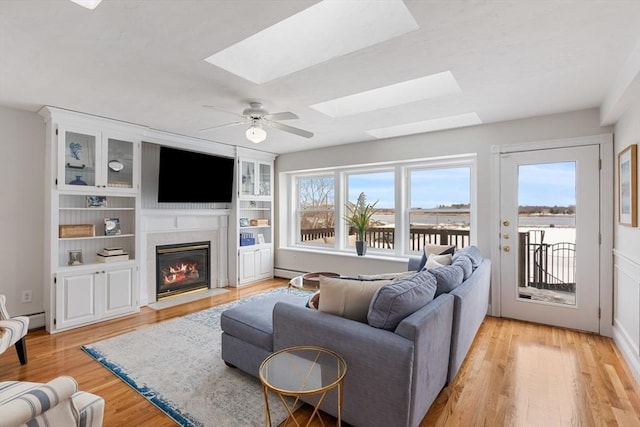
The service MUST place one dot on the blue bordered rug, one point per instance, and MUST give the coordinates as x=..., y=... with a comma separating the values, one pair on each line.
x=176, y=365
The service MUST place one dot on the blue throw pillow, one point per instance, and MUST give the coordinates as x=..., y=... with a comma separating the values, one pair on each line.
x=395, y=301
x=448, y=278
x=472, y=252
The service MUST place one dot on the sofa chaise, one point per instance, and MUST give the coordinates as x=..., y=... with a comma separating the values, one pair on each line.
x=395, y=368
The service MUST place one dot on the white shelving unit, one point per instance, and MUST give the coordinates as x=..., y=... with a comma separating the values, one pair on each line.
x=254, y=217
x=90, y=157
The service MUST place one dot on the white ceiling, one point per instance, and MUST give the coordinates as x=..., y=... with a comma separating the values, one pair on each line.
x=142, y=61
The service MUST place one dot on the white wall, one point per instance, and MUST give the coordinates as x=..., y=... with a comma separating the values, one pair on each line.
x=22, y=209
x=476, y=139
x=626, y=283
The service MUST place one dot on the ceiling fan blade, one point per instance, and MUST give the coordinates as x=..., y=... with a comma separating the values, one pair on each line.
x=285, y=115
x=290, y=129
x=243, y=122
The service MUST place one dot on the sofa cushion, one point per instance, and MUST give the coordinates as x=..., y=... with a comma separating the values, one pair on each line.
x=448, y=278
x=348, y=298
x=466, y=264
x=386, y=276
x=252, y=321
x=472, y=252
x=436, y=250
x=395, y=301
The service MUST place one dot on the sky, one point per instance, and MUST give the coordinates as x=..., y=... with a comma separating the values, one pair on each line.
x=551, y=184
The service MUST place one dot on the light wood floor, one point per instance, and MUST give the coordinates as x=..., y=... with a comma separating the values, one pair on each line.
x=516, y=374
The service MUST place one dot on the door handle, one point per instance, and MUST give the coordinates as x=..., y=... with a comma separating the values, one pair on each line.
x=506, y=223
x=506, y=248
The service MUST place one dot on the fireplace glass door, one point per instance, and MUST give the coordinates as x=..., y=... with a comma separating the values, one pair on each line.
x=182, y=268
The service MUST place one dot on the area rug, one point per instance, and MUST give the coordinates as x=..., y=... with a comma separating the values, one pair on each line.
x=176, y=365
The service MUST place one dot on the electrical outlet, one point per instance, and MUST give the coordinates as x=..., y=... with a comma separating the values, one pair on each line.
x=27, y=296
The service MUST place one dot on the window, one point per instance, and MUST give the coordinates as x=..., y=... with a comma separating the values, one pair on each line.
x=429, y=201
x=439, y=206
x=379, y=188
x=316, y=210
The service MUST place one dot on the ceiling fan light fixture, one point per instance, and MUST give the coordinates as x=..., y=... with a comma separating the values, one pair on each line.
x=256, y=134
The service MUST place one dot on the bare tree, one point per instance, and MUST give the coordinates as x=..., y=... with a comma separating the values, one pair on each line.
x=316, y=202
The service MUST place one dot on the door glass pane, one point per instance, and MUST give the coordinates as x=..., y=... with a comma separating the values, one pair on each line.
x=265, y=179
x=79, y=162
x=547, y=232
x=120, y=163
x=248, y=178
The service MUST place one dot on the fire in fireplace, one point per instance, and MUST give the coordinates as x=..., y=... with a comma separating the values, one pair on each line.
x=181, y=268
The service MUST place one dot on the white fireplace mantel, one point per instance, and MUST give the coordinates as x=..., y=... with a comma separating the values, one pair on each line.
x=165, y=227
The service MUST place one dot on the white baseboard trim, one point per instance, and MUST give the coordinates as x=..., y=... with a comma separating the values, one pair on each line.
x=36, y=320
x=628, y=354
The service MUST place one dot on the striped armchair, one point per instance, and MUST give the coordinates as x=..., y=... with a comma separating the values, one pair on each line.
x=12, y=331
x=57, y=403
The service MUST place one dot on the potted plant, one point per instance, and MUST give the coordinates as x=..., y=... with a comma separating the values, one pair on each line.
x=359, y=217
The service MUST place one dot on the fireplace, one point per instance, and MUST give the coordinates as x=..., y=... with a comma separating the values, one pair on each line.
x=182, y=268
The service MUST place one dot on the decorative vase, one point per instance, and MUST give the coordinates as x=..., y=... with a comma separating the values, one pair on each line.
x=361, y=248
x=78, y=181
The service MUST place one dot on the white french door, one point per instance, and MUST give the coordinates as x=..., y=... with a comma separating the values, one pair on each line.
x=549, y=236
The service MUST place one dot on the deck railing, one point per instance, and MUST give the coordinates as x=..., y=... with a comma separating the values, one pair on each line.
x=383, y=237
x=546, y=266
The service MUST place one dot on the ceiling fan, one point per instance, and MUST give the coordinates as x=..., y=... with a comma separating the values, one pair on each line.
x=256, y=116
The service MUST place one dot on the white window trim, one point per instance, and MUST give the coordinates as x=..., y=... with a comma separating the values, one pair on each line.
x=289, y=222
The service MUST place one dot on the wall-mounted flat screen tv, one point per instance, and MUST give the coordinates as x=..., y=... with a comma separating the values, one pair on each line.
x=190, y=177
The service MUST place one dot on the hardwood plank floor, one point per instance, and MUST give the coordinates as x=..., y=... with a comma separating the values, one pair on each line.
x=516, y=374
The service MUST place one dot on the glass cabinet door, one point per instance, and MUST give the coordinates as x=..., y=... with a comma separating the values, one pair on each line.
x=119, y=163
x=264, y=188
x=247, y=169
x=79, y=162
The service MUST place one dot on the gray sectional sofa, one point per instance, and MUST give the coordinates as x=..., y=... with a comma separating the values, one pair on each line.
x=394, y=370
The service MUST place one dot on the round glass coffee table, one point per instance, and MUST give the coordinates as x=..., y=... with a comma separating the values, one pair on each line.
x=309, y=281
x=302, y=371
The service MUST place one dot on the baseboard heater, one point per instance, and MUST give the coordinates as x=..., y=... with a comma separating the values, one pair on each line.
x=287, y=273
x=36, y=320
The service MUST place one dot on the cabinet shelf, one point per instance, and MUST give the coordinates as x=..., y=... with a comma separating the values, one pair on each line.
x=92, y=266
x=115, y=236
x=97, y=209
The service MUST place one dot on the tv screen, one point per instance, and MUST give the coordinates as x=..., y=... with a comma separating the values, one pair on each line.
x=187, y=176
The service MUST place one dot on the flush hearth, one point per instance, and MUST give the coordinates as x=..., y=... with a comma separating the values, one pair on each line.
x=182, y=268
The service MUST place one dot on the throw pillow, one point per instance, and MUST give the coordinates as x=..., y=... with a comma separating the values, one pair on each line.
x=448, y=278
x=435, y=261
x=465, y=263
x=395, y=301
x=436, y=250
x=472, y=252
x=348, y=298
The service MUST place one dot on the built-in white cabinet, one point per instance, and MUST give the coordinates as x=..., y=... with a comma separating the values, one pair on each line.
x=255, y=178
x=256, y=264
x=92, y=194
x=89, y=158
x=254, y=217
x=92, y=294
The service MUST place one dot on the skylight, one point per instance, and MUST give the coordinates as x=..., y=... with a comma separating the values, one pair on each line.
x=451, y=122
x=319, y=33
x=89, y=4
x=431, y=86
